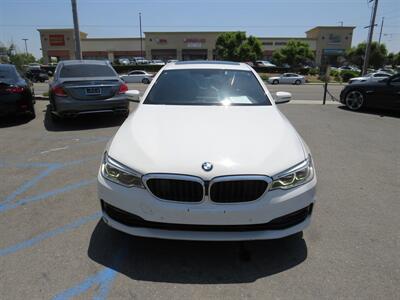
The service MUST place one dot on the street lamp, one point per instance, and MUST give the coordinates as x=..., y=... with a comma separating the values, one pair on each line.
x=26, y=46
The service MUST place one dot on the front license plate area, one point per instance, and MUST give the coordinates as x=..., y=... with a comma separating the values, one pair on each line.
x=93, y=91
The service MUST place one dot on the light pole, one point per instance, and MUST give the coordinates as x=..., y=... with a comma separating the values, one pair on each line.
x=26, y=46
x=370, y=33
x=78, y=52
x=140, y=28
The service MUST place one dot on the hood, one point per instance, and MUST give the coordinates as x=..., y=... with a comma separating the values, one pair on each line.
x=235, y=139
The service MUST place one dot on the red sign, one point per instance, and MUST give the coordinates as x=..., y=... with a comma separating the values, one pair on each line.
x=56, y=40
x=194, y=40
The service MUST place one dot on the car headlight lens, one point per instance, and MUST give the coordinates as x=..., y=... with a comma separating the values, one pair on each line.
x=118, y=173
x=295, y=176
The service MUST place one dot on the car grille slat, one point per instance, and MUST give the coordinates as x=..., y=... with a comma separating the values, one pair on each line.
x=237, y=190
x=176, y=189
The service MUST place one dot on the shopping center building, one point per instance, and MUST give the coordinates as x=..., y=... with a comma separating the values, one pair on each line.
x=327, y=42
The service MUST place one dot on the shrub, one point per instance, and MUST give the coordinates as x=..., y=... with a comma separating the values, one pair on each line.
x=346, y=75
x=313, y=71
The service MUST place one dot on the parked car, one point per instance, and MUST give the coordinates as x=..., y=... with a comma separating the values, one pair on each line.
x=350, y=68
x=124, y=61
x=16, y=92
x=157, y=62
x=137, y=76
x=34, y=66
x=86, y=86
x=37, y=75
x=290, y=78
x=207, y=155
x=374, y=94
x=172, y=61
x=139, y=61
x=370, y=77
x=264, y=63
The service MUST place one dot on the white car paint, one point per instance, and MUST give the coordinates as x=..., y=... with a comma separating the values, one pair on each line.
x=370, y=77
x=264, y=63
x=137, y=76
x=238, y=140
x=287, y=78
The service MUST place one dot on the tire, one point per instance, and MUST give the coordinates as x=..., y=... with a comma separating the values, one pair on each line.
x=297, y=82
x=275, y=81
x=145, y=81
x=32, y=111
x=354, y=100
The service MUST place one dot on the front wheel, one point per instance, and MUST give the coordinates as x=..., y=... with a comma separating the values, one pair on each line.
x=275, y=81
x=354, y=100
x=297, y=82
x=145, y=81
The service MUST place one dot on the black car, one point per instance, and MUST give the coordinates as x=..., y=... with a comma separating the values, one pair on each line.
x=37, y=75
x=382, y=94
x=16, y=92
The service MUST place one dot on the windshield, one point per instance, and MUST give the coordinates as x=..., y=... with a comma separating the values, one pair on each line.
x=82, y=70
x=207, y=87
x=8, y=74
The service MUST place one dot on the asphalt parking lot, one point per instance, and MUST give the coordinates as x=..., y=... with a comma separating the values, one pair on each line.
x=53, y=244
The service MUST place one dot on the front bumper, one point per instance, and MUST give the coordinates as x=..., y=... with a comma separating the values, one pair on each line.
x=206, y=220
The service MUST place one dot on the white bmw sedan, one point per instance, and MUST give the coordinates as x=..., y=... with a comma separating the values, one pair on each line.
x=207, y=155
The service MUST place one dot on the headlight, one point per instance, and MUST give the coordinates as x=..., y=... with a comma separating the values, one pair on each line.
x=295, y=176
x=118, y=173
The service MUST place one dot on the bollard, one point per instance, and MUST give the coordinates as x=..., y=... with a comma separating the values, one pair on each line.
x=325, y=90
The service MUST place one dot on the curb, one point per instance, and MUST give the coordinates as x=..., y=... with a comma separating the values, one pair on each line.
x=41, y=97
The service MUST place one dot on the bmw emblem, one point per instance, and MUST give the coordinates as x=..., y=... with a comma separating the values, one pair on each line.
x=207, y=166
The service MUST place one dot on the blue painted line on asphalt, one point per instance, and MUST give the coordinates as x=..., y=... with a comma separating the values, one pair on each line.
x=104, y=278
x=7, y=206
x=46, y=235
x=51, y=167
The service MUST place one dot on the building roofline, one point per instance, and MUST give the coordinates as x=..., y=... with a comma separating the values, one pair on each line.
x=111, y=38
x=336, y=27
x=185, y=32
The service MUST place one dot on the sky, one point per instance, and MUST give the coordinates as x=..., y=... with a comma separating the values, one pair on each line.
x=267, y=18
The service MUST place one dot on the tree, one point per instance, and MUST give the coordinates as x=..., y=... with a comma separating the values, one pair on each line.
x=393, y=59
x=295, y=53
x=21, y=59
x=377, y=57
x=235, y=46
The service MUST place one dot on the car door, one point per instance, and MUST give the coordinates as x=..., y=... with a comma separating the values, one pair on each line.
x=391, y=93
x=285, y=78
x=135, y=76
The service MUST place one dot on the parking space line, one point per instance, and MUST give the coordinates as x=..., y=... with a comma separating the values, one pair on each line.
x=104, y=278
x=46, y=235
x=8, y=206
x=51, y=167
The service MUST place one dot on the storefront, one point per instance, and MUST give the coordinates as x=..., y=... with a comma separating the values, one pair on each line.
x=329, y=43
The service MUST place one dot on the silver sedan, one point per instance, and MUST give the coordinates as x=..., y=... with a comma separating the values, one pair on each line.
x=290, y=78
x=137, y=77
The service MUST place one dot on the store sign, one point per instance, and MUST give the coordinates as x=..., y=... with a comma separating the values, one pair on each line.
x=56, y=40
x=161, y=41
x=194, y=42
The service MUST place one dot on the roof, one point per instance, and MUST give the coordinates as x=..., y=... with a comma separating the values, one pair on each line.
x=83, y=61
x=207, y=64
x=330, y=27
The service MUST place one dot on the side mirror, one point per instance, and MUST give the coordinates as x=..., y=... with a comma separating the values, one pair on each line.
x=133, y=95
x=282, y=97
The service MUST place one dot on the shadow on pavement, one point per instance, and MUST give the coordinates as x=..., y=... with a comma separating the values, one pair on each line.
x=378, y=112
x=83, y=122
x=171, y=261
x=11, y=121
